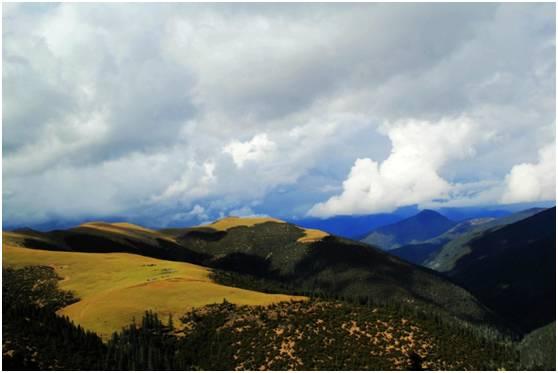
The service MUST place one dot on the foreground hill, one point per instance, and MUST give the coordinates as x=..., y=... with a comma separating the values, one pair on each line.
x=114, y=288
x=423, y=226
x=326, y=335
x=512, y=270
x=277, y=257
x=310, y=335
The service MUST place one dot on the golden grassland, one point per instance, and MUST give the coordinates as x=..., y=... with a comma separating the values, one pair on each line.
x=138, y=232
x=126, y=229
x=117, y=287
x=311, y=235
x=234, y=221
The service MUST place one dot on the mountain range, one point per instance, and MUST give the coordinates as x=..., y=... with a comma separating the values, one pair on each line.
x=441, y=251
x=507, y=262
x=490, y=279
x=276, y=252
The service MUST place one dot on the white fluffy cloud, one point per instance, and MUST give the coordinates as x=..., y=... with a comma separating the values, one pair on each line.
x=256, y=149
x=410, y=175
x=528, y=182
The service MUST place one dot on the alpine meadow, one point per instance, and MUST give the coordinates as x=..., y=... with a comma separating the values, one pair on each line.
x=278, y=186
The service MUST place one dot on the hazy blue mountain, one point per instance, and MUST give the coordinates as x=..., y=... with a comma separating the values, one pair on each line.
x=492, y=211
x=442, y=251
x=418, y=228
x=421, y=253
x=354, y=227
x=56, y=223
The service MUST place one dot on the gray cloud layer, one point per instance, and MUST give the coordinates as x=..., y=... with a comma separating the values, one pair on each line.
x=188, y=111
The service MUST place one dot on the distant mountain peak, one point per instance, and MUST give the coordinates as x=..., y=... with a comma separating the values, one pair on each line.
x=429, y=214
x=420, y=227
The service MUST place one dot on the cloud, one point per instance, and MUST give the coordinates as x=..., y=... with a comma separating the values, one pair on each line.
x=243, y=212
x=197, y=213
x=222, y=105
x=256, y=149
x=196, y=182
x=529, y=182
x=410, y=175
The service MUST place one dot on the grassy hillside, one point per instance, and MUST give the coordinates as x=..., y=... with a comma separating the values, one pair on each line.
x=512, y=270
x=113, y=288
x=99, y=237
x=309, y=235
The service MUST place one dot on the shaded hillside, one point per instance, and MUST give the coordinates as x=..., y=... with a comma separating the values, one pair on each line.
x=100, y=237
x=417, y=253
x=512, y=270
x=421, y=227
x=440, y=252
x=457, y=247
x=421, y=253
x=283, y=253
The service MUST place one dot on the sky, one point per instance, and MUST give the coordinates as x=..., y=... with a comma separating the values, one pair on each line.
x=183, y=113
